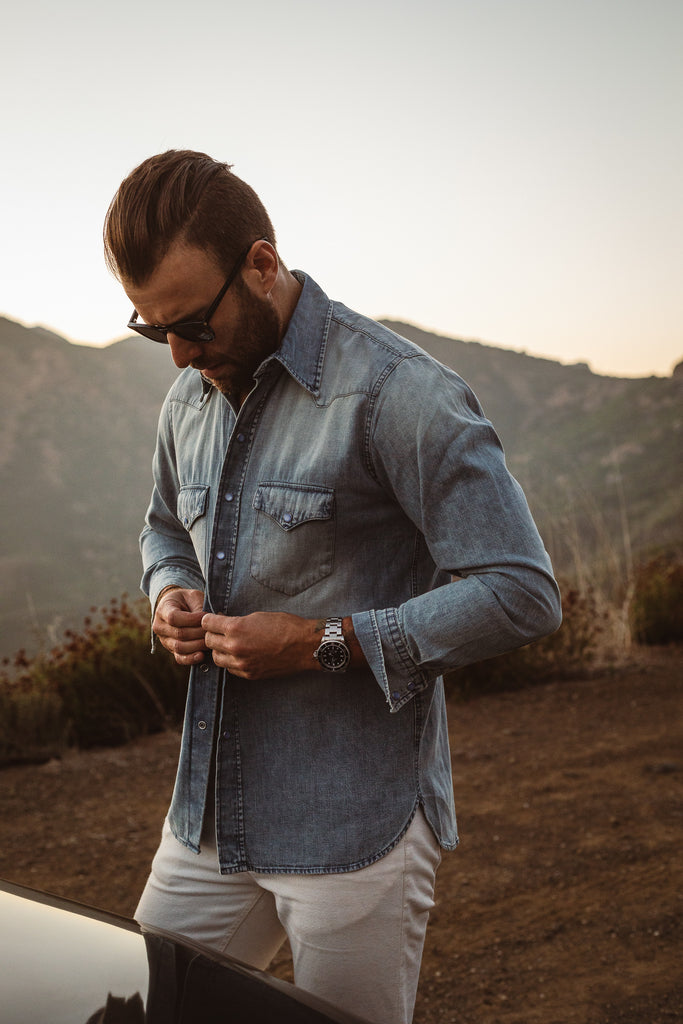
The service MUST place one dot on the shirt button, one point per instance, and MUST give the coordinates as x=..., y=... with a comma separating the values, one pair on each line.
x=240, y=438
x=287, y=517
x=204, y=667
x=201, y=725
x=226, y=735
x=220, y=555
x=396, y=694
x=229, y=496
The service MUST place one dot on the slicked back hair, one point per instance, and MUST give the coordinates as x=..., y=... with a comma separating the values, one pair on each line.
x=180, y=196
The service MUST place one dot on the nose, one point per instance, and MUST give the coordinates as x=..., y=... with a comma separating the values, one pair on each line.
x=183, y=352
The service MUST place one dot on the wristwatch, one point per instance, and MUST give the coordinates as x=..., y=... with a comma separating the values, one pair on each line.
x=333, y=653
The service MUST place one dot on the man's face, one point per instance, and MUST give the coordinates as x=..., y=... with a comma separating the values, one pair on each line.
x=246, y=324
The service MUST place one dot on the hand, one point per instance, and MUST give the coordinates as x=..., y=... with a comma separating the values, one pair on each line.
x=177, y=623
x=262, y=645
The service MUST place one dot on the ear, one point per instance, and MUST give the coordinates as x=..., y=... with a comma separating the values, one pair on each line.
x=261, y=267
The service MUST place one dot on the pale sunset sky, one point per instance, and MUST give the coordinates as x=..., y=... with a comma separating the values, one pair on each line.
x=488, y=169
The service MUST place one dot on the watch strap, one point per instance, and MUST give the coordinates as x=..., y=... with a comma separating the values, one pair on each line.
x=333, y=630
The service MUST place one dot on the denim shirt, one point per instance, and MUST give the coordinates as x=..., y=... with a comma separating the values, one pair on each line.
x=360, y=477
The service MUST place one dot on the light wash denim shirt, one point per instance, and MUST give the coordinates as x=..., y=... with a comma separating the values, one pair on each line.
x=360, y=477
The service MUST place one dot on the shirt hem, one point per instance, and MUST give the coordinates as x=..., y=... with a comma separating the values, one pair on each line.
x=333, y=869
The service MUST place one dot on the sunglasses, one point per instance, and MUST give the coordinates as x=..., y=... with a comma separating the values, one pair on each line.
x=189, y=330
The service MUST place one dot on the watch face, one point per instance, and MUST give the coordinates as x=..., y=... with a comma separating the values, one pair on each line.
x=333, y=655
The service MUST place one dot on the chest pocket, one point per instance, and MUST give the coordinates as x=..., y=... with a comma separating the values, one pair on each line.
x=294, y=533
x=191, y=511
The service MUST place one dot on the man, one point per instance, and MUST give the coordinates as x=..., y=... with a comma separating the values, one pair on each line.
x=332, y=527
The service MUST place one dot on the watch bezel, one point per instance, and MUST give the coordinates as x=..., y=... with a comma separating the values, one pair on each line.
x=326, y=650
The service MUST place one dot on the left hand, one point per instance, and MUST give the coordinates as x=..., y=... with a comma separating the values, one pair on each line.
x=262, y=645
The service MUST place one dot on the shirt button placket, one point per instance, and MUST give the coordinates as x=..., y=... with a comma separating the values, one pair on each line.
x=222, y=555
x=222, y=558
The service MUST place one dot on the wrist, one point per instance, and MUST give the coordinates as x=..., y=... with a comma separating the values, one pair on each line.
x=358, y=659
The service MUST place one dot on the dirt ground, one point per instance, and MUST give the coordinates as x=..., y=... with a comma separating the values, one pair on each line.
x=564, y=902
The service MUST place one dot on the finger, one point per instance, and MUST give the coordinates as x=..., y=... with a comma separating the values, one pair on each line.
x=190, y=659
x=225, y=660
x=218, y=623
x=163, y=629
x=183, y=648
x=228, y=645
x=177, y=617
x=187, y=645
x=216, y=641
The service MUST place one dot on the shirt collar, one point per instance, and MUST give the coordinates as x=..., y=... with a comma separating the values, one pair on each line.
x=303, y=347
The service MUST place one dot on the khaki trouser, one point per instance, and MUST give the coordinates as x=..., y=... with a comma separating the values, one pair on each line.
x=356, y=937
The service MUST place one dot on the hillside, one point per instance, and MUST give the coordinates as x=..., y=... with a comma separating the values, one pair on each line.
x=78, y=429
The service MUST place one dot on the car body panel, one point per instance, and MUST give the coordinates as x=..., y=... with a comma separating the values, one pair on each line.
x=67, y=963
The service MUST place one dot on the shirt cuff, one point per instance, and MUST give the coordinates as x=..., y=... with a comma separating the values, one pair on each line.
x=386, y=652
x=169, y=576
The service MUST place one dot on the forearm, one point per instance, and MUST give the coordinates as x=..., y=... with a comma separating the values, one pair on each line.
x=265, y=645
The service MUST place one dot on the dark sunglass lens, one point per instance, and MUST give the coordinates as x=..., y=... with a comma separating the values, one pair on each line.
x=150, y=332
x=156, y=334
x=194, y=332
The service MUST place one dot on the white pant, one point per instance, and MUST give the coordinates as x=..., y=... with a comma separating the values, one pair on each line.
x=356, y=937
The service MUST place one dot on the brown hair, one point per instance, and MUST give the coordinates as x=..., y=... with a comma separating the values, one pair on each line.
x=180, y=195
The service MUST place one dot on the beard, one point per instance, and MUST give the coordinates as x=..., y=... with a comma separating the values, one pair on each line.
x=256, y=334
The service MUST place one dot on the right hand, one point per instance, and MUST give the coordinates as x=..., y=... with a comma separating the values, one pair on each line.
x=177, y=623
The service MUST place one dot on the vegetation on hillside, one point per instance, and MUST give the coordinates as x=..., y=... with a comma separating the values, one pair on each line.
x=99, y=687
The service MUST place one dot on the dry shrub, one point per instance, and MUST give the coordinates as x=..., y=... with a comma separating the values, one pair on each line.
x=589, y=636
x=656, y=612
x=32, y=726
x=99, y=687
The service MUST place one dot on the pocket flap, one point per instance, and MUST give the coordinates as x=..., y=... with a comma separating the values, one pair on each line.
x=292, y=504
x=191, y=503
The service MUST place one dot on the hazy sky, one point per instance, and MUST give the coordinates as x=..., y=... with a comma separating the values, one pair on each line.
x=491, y=169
